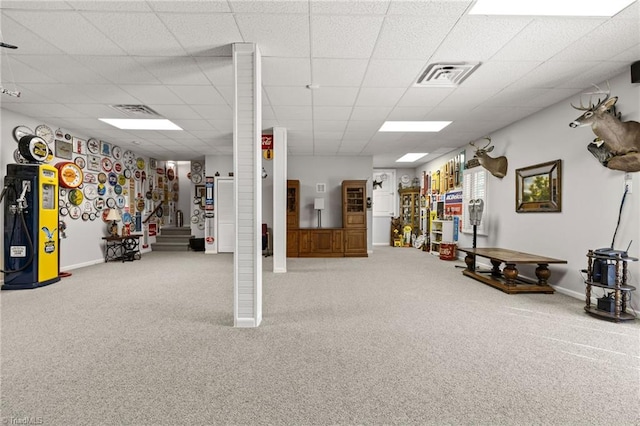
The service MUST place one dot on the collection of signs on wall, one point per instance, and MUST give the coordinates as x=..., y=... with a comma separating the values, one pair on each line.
x=94, y=176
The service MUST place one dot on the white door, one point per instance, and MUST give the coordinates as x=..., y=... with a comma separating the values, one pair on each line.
x=225, y=229
x=384, y=204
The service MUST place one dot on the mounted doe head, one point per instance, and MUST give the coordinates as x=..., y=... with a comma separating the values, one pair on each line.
x=620, y=139
x=496, y=166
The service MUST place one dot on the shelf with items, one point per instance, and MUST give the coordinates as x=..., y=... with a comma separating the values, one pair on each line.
x=410, y=208
x=609, y=272
x=441, y=232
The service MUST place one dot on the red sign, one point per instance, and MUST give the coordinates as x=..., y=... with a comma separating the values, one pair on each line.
x=209, y=240
x=152, y=229
x=267, y=141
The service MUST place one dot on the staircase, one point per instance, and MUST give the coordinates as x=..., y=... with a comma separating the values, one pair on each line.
x=172, y=238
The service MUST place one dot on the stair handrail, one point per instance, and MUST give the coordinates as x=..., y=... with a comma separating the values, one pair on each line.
x=153, y=212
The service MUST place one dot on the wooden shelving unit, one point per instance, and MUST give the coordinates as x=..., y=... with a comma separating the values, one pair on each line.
x=620, y=289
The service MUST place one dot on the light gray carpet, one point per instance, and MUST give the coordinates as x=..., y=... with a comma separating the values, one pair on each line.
x=400, y=337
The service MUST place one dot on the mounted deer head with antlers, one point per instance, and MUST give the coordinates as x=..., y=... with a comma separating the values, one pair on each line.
x=496, y=166
x=618, y=142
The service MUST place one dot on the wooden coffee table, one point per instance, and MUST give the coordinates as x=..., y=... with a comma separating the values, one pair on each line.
x=507, y=279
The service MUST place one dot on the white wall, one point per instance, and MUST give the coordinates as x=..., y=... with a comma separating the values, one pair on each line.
x=591, y=193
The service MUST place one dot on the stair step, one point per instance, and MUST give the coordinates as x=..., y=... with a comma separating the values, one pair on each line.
x=170, y=247
x=173, y=230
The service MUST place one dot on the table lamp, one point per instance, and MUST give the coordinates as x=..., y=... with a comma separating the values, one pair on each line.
x=113, y=216
x=318, y=204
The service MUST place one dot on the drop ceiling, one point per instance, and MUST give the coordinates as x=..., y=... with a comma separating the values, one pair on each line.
x=77, y=58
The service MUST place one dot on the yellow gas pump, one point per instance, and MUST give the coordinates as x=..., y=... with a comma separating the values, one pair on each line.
x=31, y=245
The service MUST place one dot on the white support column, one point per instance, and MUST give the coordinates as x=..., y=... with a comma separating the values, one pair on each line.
x=279, y=199
x=247, y=170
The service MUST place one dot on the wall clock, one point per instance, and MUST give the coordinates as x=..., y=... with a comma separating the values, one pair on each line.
x=20, y=131
x=196, y=178
x=45, y=133
x=196, y=166
x=69, y=174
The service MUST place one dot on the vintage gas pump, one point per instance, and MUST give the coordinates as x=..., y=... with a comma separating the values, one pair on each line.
x=31, y=250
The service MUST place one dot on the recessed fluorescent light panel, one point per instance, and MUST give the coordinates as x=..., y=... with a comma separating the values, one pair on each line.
x=411, y=157
x=549, y=7
x=141, y=124
x=413, y=126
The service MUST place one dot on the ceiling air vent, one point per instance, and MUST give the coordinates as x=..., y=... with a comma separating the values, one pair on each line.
x=446, y=74
x=138, y=111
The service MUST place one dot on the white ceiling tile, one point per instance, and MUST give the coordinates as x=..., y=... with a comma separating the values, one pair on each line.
x=213, y=112
x=349, y=7
x=370, y=96
x=218, y=70
x=93, y=110
x=152, y=94
x=428, y=8
x=203, y=32
x=107, y=94
x=466, y=98
x=604, y=42
x=392, y=73
x=271, y=6
x=331, y=113
x=175, y=112
x=338, y=72
x=15, y=71
x=344, y=36
x=478, y=38
x=552, y=74
x=286, y=71
x=265, y=30
x=203, y=95
x=194, y=125
x=293, y=112
x=141, y=34
x=28, y=41
x=329, y=126
x=225, y=126
x=174, y=70
x=61, y=93
x=288, y=96
x=370, y=113
x=498, y=74
x=63, y=69
x=109, y=6
x=544, y=37
x=424, y=96
x=334, y=96
x=411, y=37
x=192, y=6
x=78, y=38
x=408, y=113
x=118, y=69
x=40, y=5
x=298, y=126
x=227, y=93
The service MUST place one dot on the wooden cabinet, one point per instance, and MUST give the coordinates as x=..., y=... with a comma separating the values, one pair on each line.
x=410, y=208
x=320, y=242
x=354, y=214
x=292, y=243
x=350, y=240
x=293, y=217
x=293, y=204
x=355, y=242
x=441, y=231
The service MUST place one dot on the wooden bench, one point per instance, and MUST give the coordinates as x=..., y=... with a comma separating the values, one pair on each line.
x=507, y=279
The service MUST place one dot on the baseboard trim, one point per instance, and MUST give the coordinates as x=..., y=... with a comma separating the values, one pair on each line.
x=83, y=264
x=279, y=270
x=246, y=323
